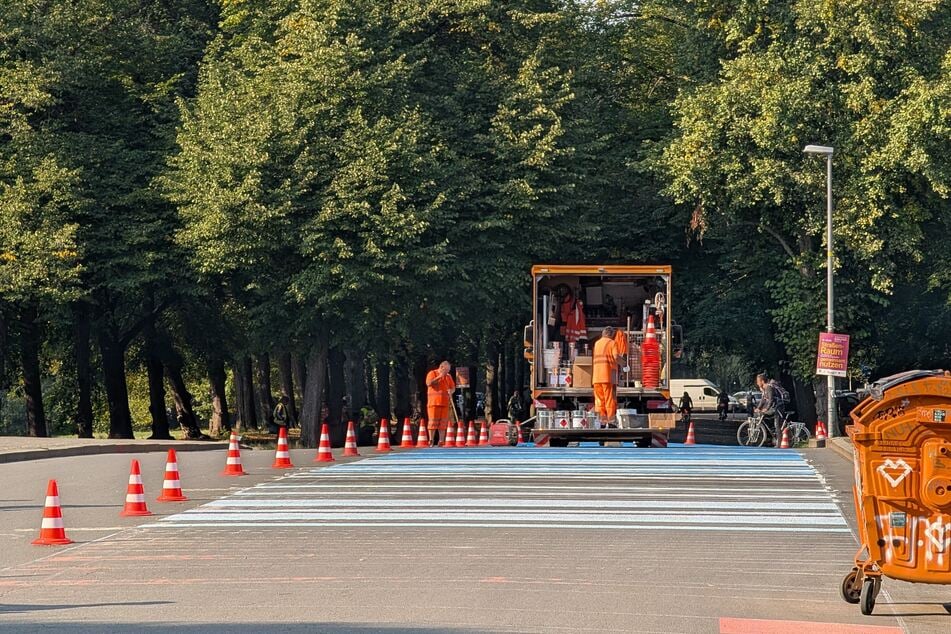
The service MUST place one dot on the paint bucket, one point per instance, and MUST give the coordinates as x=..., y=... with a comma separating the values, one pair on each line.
x=544, y=419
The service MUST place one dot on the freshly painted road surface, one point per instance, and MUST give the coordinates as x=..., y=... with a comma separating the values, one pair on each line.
x=702, y=539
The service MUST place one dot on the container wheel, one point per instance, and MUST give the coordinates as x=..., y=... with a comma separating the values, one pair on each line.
x=870, y=588
x=851, y=592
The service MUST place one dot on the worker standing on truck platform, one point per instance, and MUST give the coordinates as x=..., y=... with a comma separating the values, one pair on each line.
x=604, y=375
x=440, y=388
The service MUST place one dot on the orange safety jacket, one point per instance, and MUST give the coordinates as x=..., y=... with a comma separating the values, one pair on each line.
x=605, y=361
x=575, y=326
x=438, y=392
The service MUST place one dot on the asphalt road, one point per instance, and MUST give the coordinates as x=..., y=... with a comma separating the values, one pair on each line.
x=703, y=539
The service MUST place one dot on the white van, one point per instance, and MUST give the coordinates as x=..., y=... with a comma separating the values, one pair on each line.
x=702, y=392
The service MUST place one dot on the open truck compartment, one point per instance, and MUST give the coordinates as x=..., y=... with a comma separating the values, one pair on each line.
x=571, y=307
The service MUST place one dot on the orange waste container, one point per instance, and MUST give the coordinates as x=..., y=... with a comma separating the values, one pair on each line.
x=901, y=434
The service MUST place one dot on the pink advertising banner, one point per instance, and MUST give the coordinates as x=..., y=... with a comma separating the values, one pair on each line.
x=833, y=358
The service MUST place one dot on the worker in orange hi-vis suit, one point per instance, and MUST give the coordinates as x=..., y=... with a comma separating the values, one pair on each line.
x=604, y=375
x=440, y=388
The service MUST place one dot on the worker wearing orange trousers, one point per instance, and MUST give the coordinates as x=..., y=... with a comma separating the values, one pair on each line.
x=440, y=388
x=604, y=375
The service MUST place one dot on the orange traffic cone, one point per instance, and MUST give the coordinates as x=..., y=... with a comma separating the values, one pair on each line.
x=471, y=439
x=233, y=466
x=461, y=434
x=691, y=439
x=422, y=438
x=52, y=532
x=135, y=494
x=483, y=434
x=821, y=431
x=784, y=444
x=518, y=428
x=282, y=457
x=383, y=443
x=449, y=439
x=350, y=446
x=172, y=487
x=323, y=450
x=407, y=440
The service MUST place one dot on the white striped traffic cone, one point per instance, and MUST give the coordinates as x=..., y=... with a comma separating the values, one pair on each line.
x=422, y=438
x=233, y=466
x=52, y=532
x=785, y=442
x=407, y=440
x=471, y=439
x=282, y=457
x=135, y=494
x=172, y=486
x=691, y=438
x=350, y=445
x=323, y=451
x=383, y=441
x=461, y=435
x=483, y=434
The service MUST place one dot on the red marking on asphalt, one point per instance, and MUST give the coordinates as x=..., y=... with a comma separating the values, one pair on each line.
x=495, y=580
x=759, y=626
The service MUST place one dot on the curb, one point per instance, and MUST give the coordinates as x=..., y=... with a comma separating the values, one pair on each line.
x=843, y=447
x=94, y=450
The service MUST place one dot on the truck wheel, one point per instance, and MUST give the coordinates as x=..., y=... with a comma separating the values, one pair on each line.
x=558, y=442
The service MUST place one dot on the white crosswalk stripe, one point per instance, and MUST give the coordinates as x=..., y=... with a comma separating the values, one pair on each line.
x=703, y=489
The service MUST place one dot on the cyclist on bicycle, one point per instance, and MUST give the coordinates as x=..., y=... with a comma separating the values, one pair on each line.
x=686, y=406
x=771, y=405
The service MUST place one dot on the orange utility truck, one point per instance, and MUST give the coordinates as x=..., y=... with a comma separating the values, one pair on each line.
x=571, y=306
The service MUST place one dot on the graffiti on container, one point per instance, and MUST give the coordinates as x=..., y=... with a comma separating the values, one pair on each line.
x=938, y=534
x=890, y=413
x=894, y=471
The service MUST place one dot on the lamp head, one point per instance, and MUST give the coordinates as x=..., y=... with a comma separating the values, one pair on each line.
x=823, y=150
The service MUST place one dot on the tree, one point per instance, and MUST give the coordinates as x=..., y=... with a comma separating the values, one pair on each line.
x=848, y=75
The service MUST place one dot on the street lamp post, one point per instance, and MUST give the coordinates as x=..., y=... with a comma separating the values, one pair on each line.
x=823, y=150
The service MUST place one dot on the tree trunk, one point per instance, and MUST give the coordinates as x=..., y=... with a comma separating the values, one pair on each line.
x=217, y=380
x=337, y=391
x=287, y=385
x=300, y=379
x=383, y=389
x=184, y=409
x=491, y=356
x=265, y=398
x=358, y=385
x=313, y=394
x=402, y=388
x=81, y=325
x=419, y=391
x=32, y=378
x=112, y=353
x=247, y=388
x=371, y=384
x=155, y=370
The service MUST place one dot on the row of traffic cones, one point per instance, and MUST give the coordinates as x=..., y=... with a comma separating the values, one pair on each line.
x=52, y=530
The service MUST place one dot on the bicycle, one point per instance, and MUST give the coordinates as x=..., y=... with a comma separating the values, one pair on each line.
x=753, y=432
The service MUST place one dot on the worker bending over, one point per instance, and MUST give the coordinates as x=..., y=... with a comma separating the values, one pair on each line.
x=439, y=394
x=604, y=377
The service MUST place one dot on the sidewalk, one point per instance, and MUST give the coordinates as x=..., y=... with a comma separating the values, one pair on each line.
x=18, y=448
x=842, y=445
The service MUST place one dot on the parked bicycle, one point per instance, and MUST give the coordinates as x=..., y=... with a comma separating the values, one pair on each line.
x=754, y=432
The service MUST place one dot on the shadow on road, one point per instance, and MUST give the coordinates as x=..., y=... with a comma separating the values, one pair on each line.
x=229, y=628
x=14, y=608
